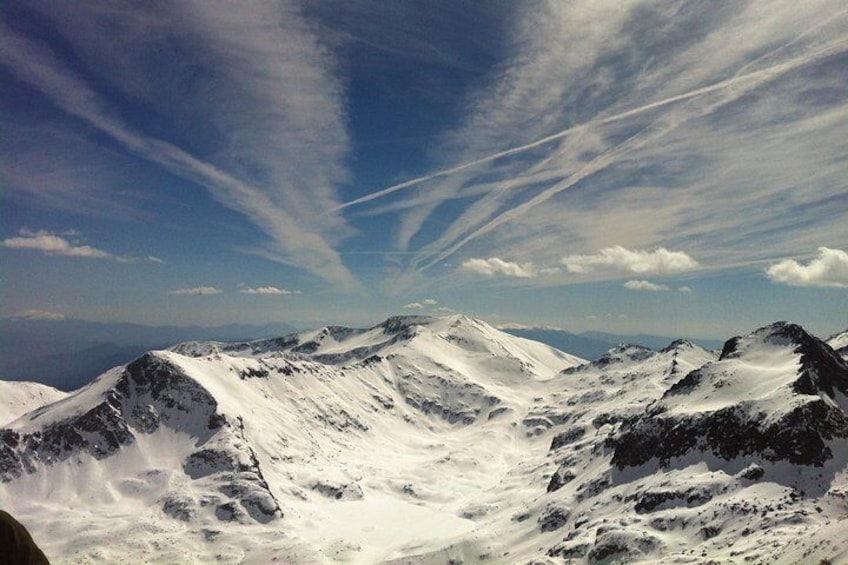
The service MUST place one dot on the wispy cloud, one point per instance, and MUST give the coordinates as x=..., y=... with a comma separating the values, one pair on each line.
x=644, y=123
x=52, y=244
x=828, y=269
x=267, y=290
x=620, y=259
x=277, y=119
x=414, y=306
x=495, y=266
x=195, y=291
x=154, y=259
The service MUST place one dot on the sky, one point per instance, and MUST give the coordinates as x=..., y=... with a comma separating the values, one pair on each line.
x=666, y=166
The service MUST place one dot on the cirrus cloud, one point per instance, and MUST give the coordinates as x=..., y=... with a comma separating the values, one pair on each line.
x=828, y=269
x=621, y=259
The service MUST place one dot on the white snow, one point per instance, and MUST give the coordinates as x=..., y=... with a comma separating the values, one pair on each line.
x=437, y=444
x=19, y=397
x=839, y=341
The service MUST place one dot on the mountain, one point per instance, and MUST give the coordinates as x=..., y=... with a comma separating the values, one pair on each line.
x=839, y=343
x=442, y=440
x=591, y=345
x=647, y=340
x=67, y=353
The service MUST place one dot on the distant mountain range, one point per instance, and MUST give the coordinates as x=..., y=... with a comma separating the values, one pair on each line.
x=439, y=440
x=67, y=354
x=591, y=345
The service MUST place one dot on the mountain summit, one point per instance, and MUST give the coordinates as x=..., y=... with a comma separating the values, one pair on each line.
x=777, y=392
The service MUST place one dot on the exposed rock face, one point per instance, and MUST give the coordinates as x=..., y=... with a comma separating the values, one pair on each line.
x=148, y=393
x=720, y=408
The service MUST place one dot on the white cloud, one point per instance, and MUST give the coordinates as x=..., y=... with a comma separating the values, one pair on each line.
x=684, y=289
x=494, y=266
x=271, y=290
x=195, y=291
x=666, y=122
x=829, y=268
x=154, y=259
x=40, y=315
x=51, y=244
x=620, y=259
x=646, y=285
x=426, y=303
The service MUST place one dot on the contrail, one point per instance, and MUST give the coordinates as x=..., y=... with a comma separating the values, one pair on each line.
x=753, y=79
x=776, y=69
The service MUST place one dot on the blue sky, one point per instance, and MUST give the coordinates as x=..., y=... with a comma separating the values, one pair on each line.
x=673, y=167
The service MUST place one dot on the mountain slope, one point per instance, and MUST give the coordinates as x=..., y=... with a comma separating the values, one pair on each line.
x=245, y=426
x=839, y=343
x=20, y=397
x=434, y=440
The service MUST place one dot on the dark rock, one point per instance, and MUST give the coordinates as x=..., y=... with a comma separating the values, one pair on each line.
x=593, y=487
x=209, y=461
x=553, y=518
x=650, y=500
x=338, y=491
x=752, y=472
x=569, y=550
x=179, y=507
x=560, y=478
x=229, y=512
x=254, y=373
x=621, y=547
x=567, y=437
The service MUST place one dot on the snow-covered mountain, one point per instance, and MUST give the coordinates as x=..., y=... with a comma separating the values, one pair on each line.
x=839, y=343
x=436, y=440
x=19, y=397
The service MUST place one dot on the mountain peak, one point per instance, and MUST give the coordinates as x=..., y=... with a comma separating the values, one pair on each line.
x=624, y=352
x=677, y=345
x=775, y=334
x=771, y=393
x=404, y=324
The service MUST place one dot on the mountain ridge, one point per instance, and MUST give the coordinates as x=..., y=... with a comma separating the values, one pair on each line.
x=423, y=440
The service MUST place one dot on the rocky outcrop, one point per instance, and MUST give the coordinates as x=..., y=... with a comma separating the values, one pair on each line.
x=148, y=393
x=794, y=421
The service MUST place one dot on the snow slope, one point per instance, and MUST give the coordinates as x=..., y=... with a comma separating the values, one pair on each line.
x=839, y=343
x=20, y=397
x=435, y=440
